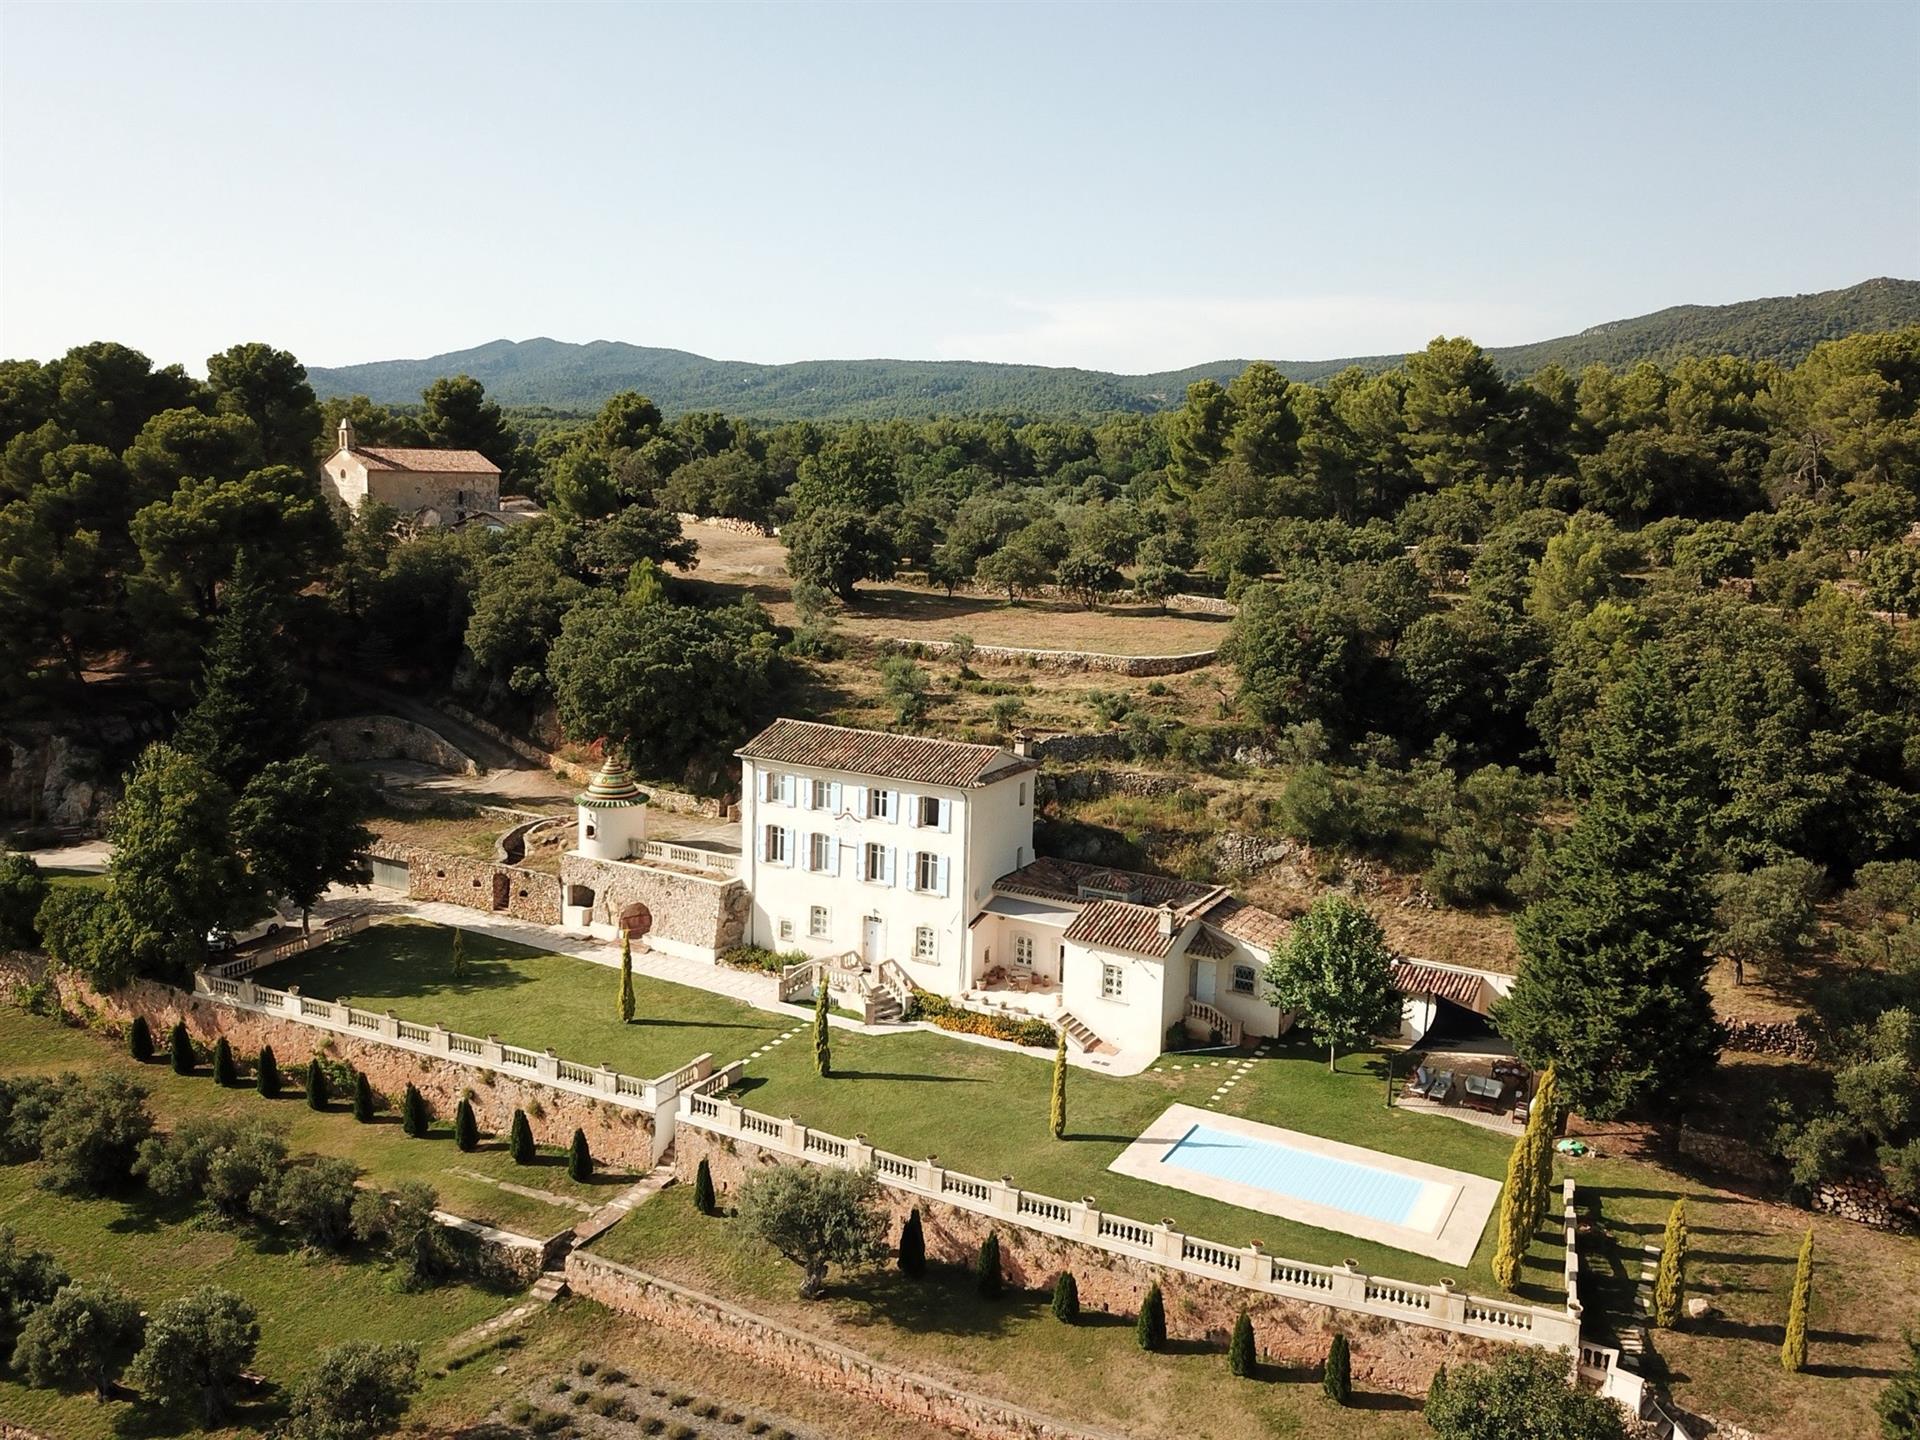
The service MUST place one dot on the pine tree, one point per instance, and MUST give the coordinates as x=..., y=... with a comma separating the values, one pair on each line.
x=986, y=1268
x=1150, y=1326
x=140, y=1039
x=266, y=1073
x=1057, y=1120
x=703, y=1196
x=1516, y=1211
x=1240, y=1352
x=363, y=1106
x=520, y=1141
x=224, y=1072
x=822, y=1044
x=579, y=1159
x=1612, y=987
x=1066, y=1298
x=250, y=711
x=415, y=1119
x=913, y=1245
x=626, y=979
x=466, y=1130
x=1793, y=1349
x=180, y=1048
x=1336, y=1379
x=1670, y=1279
x=316, y=1084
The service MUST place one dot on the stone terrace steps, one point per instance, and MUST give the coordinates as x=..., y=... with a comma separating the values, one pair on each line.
x=1079, y=1035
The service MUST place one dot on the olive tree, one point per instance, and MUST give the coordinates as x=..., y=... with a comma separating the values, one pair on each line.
x=815, y=1218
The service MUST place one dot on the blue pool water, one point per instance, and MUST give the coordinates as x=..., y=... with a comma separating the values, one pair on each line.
x=1319, y=1179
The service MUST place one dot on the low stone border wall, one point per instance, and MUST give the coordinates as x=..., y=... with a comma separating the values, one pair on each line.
x=1062, y=660
x=1772, y=1037
x=530, y=895
x=814, y=1361
x=1116, y=1258
x=388, y=737
x=728, y=522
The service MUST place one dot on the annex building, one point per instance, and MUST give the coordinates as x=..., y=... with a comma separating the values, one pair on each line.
x=429, y=487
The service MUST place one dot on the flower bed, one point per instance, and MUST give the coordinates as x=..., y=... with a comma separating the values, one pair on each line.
x=938, y=1010
x=758, y=957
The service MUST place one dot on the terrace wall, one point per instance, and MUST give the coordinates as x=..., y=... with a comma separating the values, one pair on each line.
x=618, y=1128
x=1071, y=661
x=1389, y=1353
x=530, y=895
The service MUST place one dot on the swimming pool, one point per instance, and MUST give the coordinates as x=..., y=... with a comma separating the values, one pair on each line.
x=1282, y=1169
x=1310, y=1179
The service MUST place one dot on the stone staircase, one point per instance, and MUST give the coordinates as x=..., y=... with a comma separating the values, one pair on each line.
x=1079, y=1035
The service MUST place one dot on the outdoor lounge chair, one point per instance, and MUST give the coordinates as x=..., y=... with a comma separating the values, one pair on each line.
x=1485, y=1093
x=1441, y=1088
x=1420, y=1082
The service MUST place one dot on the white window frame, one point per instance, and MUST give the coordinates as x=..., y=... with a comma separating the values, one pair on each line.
x=1023, y=792
x=786, y=928
x=776, y=846
x=928, y=870
x=819, y=923
x=1113, y=983
x=880, y=804
x=926, y=944
x=820, y=853
x=873, y=863
x=941, y=812
x=1023, y=950
x=1252, y=978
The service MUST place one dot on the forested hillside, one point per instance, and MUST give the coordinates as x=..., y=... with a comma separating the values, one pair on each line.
x=581, y=377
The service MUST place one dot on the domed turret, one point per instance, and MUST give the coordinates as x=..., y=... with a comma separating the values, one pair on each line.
x=612, y=814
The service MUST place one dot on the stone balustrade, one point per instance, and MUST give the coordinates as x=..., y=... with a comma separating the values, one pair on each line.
x=599, y=1082
x=1342, y=1287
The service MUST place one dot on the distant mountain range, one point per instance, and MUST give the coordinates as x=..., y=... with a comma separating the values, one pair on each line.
x=566, y=376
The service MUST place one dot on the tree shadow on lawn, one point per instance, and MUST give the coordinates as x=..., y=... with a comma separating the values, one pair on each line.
x=254, y=1416
x=660, y=1022
x=943, y=1301
x=906, y=1076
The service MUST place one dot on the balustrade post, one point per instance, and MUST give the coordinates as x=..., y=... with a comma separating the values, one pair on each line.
x=389, y=1026
x=860, y=1153
x=1449, y=1304
x=244, y=993
x=607, y=1081
x=440, y=1040
x=1166, y=1239
x=1003, y=1197
x=794, y=1135
x=1253, y=1264
x=1350, y=1281
x=932, y=1175
x=1086, y=1217
x=490, y=1050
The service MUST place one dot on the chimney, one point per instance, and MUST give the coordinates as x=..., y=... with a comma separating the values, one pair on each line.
x=1023, y=743
x=1166, y=921
x=346, y=433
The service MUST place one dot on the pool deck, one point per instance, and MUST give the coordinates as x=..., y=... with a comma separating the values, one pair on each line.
x=1445, y=1224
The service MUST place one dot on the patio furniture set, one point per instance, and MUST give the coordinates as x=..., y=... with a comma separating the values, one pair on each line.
x=1488, y=1093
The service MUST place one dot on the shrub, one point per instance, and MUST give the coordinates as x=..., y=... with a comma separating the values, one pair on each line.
x=1150, y=1327
x=180, y=1048
x=1240, y=1351
x=315, y=1201
x=91, y=1134
x=1066, y=1298
x=913, y=1245
x=140, y=1039
x=466, y=1130
x=1523, y=1393
x=756, y=957
x=357, y=1390
x=196, y=1350
x=1336, y=1377
x=822, y=1033
x=703, y=1197
x=939, y=1011
x=28, y=1280
x=986, y=1268
x=363, y=1102
x=1670, y=1279
x=266, y=1073
x=415, y=1118
x=815, y=1218
x=579, y=1159
x=225, y=1073
x=520, y=1140
x=316, y=1085
x=80, y=1339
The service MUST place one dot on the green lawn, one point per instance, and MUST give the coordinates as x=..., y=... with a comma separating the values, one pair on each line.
x=527, y=997
x=1093, y=1373
x=985, y=1111
x=33, y=1044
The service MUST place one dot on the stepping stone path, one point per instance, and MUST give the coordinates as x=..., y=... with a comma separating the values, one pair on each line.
x=777, y=1040
x=1633, y=1338
x=1235, y=1075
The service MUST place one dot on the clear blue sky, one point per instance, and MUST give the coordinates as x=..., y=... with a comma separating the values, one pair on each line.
x=1127, y=187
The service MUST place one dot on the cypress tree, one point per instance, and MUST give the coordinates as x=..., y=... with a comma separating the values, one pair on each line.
x=1436, y=1395
x=1670, y=1279
x=316, y=1084
x=1057, y=1118
x=1150, y=1327
x=1516, y=1208
x=1066, y=1298
x=822, y=1044
x=703, y=1197
x=1613, y=988
x=626, y=979
x=363, y=1106
x=1240, y=1354
x=1543, y=1119
x=579, y=1159
x=459, y=954
x=520, y=1140
x=913, y=1245
x=415, y=1119
x=180, y=1048
x=224, y=1072
x=1793, y=1349
x=266, y=1073
x=466, y=1130
x=140, y=1039
x=1336, y=1380
x=986, y=1268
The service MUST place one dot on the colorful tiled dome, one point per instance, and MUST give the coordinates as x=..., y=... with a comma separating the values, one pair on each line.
x=612, y=789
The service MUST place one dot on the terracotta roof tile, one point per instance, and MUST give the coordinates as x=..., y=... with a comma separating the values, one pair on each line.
x=913, y=758
x=1116, y=925
x=1459, y=986
x=430, y=462
x=1207, y=944
x=1260, y=928
x=1070, y=880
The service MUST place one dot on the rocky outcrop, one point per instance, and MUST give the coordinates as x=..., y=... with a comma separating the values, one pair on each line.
x=54, y=780
x=387, y=737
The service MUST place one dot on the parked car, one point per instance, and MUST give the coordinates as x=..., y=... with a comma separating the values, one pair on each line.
x=281, y=917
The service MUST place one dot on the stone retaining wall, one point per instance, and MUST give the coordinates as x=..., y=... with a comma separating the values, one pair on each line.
x=704, y=913
x=1387, y=1354
x=1089, y=784
x=512, y=890
x=660, y=797
x=729, y=522
x=1772, y=1037
x=1866, y=1202
x=1070, y=661
x=387, y=737
x=615, y=1133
